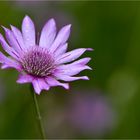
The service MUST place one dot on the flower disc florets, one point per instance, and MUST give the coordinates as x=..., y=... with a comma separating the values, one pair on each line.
x=38, y=62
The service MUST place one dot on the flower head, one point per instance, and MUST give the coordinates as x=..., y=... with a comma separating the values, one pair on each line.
x=45, y=63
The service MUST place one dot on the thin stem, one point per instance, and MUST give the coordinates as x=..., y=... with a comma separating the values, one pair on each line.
x=39, y=118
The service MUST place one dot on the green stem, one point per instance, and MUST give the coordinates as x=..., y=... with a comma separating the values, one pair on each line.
x=39, y=118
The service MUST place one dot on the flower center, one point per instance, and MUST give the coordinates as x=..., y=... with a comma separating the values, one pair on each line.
x=38, y=62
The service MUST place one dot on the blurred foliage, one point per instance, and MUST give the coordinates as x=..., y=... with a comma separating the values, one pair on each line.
x=113, y=30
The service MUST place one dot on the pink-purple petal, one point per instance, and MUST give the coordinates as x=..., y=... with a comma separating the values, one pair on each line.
x=12, y=40
x=61, y=38
x=72, y=55
x=48, y=34
x=70, y=78
x=43, y=84
x=8, y=49
x=72, y=70
x=78, y=63
x=36, y=86
x=24, y=78
x=53, y=82
x=39, y=84
x=4, y=66
x=61, y=50
x=10, y=62
x=82, y=61
x=28, y=31
x=18, y=37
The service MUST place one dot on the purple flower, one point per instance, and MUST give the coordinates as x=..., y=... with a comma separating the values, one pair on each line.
x=45, y=63
x=91, y=114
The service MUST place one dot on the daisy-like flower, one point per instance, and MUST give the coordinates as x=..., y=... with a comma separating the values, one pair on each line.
x=46, y=63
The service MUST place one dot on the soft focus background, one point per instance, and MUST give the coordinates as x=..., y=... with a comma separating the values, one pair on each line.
x=106, y=106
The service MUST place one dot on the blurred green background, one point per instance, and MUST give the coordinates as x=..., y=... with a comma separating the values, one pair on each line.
x=106, y=106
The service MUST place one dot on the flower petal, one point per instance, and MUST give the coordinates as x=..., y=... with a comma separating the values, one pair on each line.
x=75, y=67
x=7, y=48
x=18, y=37
x=28, y=30
x=36, y=86
x=82, y=61
x=72, y=70
x=61, y=38
x=48, y=34
x=39, y=84
x=61, y=50
x=4, y=66
x=24, y=79
x=53, y=82
x=72, y=55
x=69, y=78
x=9, y=62
x=12, y=40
